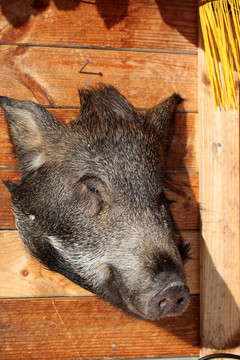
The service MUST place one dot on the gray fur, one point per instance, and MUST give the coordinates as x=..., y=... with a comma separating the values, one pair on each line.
x=91, y=203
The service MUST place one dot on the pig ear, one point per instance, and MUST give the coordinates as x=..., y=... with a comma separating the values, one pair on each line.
x=104, y=101
x=32, y=129
x=86, y=101
x=87, y=106
x=162, y=117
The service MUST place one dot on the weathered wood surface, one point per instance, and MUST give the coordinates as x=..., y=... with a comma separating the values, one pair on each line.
x=153, y=54
x=183, y=154
x=52, y=75
x=183, y=189
x=219, y=197
x=22, y=276
x=136, y=24
x=89, y=328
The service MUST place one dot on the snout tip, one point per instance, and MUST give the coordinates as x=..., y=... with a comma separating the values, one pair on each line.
x=172, y=300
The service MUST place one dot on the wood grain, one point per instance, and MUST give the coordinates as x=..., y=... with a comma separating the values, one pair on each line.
x=183, y=153
x=22, y=276
x=136, y=24
x=52, y=75
x=219, y=196
x=147, y=49
x=89, y=328
x=182, y=189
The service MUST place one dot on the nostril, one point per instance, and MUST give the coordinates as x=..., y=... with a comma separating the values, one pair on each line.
x=171, y=300
x=162, y=303
x=180, y=300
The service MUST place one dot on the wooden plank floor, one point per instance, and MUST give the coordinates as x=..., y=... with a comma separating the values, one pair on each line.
x=148, y=50
x=49, y=330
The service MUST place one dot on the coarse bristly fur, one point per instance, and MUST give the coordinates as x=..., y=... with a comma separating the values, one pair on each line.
x=91, y=203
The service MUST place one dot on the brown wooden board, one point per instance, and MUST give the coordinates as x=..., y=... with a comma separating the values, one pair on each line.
x=182, y=188
x=51, y=75
x=147, y=49
x=141, y=24
x=22, y=276
x=183, y=153
x=89, y=328
x=220, y=220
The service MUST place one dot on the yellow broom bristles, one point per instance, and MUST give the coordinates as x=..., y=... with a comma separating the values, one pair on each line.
x=220, y=22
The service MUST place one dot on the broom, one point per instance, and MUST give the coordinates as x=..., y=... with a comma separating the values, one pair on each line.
x=220, y=23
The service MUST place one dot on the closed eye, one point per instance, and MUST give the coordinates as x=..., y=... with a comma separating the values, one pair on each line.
x=92, y=192
x=95, y=192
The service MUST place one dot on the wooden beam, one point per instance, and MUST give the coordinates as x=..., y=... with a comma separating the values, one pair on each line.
x=219, y=198
x=50, y=75
x=137, y=24
x=90, y=328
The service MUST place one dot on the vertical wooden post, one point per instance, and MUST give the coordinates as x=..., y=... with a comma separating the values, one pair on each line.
x=220, y=215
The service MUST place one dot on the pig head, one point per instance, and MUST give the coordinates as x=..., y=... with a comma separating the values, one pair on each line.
x=91, y=203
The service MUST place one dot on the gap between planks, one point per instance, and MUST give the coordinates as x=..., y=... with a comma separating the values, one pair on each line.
x=110, y=48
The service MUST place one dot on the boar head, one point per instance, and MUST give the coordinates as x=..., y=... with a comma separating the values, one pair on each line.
x=91, y=203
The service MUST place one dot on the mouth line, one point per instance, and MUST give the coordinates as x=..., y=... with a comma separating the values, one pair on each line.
x=140, y=315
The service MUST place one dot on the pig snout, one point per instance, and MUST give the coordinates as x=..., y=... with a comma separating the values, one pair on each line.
x=169, y=301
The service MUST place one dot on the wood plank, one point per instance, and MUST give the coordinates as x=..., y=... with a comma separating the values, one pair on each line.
x=89, y=328
x=52, y=74
x=219, y=197
x=137, y=24
x=183, y=189
x=183, y=153
x=22, y=276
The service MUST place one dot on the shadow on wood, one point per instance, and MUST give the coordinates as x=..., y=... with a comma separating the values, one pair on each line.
x=176, y=7
x=18, y=13
x=111, y=12
x=221, y=319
